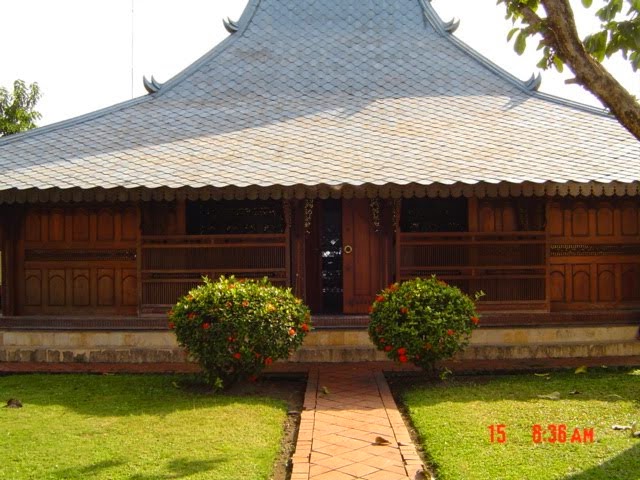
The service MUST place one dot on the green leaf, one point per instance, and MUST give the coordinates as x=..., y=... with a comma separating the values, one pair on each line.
x=558, y=63
x=511, y=33
x=521, y=43
x=587, y=3
x=581, y=369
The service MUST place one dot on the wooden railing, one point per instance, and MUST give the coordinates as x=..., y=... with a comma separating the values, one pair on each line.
x=172, y=265
x=510, y=268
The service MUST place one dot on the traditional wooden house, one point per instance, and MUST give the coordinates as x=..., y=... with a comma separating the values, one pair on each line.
x=333, y=146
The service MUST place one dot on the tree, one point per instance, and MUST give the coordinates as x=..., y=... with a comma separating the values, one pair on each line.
x=17, y=112
x=561, y=45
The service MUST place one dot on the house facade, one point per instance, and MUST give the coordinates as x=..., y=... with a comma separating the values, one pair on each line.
x=333, y=147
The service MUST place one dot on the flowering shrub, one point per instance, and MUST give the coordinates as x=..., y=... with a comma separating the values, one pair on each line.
x=234, y=328
x=422, y=321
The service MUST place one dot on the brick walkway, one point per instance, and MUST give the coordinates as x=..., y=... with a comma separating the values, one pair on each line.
x=346, y=408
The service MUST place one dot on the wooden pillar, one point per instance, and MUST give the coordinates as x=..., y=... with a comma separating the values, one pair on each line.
x=12, y=260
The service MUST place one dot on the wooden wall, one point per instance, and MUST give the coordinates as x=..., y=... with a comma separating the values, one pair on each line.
x=78, y=260
x=594, y=253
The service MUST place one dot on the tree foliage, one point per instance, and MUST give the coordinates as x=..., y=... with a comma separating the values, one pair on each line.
x=17, y=112
x=560, y=45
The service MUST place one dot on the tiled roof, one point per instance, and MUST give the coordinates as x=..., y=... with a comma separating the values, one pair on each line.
x=339, y=93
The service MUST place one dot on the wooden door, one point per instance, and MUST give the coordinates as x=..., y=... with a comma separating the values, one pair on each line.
x=363, y=256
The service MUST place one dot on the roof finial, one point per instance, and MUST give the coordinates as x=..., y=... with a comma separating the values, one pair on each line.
x=151, y=86
x=230, y=25
x=452, y=25
x=534, y=82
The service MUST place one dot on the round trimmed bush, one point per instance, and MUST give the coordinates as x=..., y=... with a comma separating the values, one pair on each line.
x=422, y=321
x=234, y=328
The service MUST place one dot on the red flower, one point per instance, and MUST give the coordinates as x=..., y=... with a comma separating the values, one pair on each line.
x=475, y=320
x=381, y=341
x=191, y=316
x=380, y=298
x=268, y=361
x=253, y=378
x=304, y=327
x=402, y=351
x=451, y=332
x=170, y=313
x=237, y=356
x=206, y=326
x=257, y=355
x=172, y=325
x=402, y=359
x=404, y=310
x=292, y=332
x=388, y=348
x=371, y=309
x=393, y=287
x=231, y=339
x=189, y=298
x=231, y=286
x=245, y=303
x=428, y=346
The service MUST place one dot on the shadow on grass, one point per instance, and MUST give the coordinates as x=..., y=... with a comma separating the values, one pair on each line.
x=122, y=395
x=180, y=468
x=88, y=471
x=621, y=467
x=175, y=469
x=608, y=385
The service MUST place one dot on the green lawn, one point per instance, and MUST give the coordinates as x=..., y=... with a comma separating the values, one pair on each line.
x=134, y=428
x=454, y=421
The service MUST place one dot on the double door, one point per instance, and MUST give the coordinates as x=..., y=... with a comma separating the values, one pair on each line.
x=347, y=256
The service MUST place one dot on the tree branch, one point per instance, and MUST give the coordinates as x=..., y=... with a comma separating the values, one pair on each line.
x=560, y=33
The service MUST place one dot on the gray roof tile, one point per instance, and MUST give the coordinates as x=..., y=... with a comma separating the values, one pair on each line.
x=340, y=92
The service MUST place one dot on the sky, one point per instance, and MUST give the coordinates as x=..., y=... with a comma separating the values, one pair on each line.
x=86, y=55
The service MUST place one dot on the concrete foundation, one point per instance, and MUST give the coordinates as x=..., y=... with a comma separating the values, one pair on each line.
x=327, y=345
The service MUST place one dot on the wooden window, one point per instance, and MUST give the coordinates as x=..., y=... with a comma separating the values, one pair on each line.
x=231, y=217
x=434, y=215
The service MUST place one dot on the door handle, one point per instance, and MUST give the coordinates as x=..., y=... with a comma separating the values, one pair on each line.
x=348, y=249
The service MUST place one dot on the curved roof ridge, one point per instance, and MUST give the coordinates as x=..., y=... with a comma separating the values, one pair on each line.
x=438, y=24
x=69, y=122
x=243, y=23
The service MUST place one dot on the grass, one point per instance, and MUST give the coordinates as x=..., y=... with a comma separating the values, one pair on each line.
x=134, y=428
x=453, y=420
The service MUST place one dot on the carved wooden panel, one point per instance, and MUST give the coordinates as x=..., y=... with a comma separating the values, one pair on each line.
x=630, y=219
x=595, y=242
x=556, y=220
x=81, y=291
x=106, y=287
x=129, y=292
x=80, y=226
x=80, y=259
x=32, y=227
x=33, y=287
x=106, y=227
x=56, y=287
x=630, y=282
x=606, y=282
x=579, y=221
x=604, y=220
x=558, y=291
x=580, y=282
x=56, y=225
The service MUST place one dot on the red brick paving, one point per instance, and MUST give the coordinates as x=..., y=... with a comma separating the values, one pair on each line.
x=347, y=406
